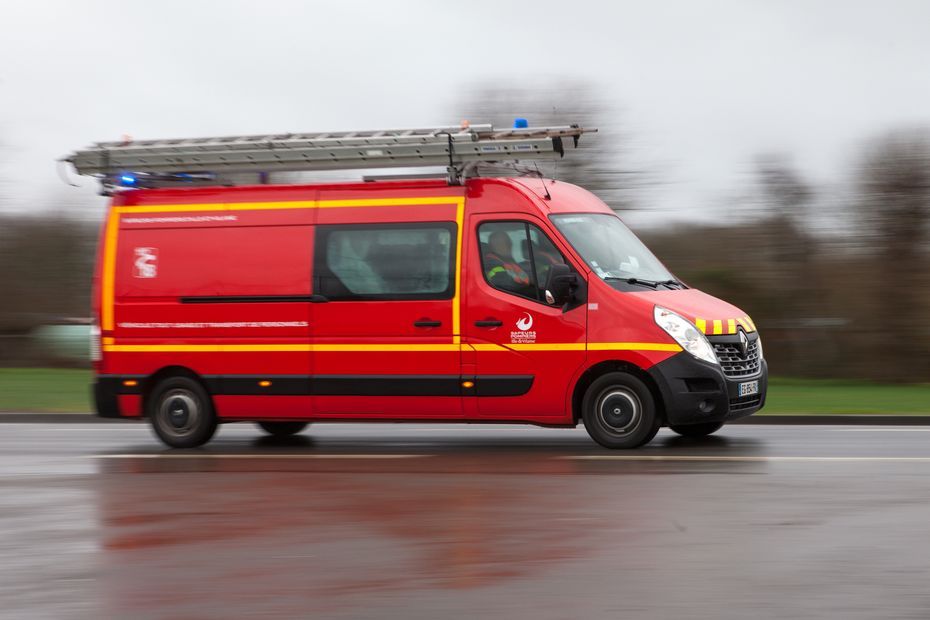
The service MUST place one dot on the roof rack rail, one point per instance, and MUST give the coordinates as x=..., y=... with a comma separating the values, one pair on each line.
x=210, y=160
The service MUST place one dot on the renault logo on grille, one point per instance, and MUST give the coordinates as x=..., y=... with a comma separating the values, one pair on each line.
x=743, y=344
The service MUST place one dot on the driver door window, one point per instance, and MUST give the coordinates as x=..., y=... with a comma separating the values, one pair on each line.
x=516, y=257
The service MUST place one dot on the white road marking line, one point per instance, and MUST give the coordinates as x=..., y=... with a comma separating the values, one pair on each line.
x=912, y=429
x=260, y=456
x=93, y=430
x=751, y=459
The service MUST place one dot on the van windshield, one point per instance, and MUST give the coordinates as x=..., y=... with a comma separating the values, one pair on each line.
x=610, y=248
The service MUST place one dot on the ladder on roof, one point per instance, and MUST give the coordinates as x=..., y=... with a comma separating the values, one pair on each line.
x=207, y=160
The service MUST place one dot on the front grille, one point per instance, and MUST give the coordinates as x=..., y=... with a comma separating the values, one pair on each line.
x=732, y=361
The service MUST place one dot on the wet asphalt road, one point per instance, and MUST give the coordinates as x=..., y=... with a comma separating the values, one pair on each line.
x=429, y=521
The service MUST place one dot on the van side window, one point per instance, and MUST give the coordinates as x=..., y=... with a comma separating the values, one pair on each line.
x=385, y=261
x=516, y=257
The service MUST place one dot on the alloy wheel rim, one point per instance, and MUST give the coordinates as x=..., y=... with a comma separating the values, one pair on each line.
x=179, y=413
x=619, y=410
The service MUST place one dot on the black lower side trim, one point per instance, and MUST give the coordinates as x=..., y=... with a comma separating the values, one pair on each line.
x=370, y=385
x=109, y=386
x=503, y=385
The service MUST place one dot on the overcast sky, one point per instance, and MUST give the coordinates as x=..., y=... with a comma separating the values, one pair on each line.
x=699, y=88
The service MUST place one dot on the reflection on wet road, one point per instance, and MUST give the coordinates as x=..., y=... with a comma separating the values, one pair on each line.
x=426, y=521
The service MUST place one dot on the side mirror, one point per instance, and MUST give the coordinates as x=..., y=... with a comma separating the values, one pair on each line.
x=560, y=284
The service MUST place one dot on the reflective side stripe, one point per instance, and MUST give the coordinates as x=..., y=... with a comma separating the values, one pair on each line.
x=701, y=324
x=393, y=348
x=280, y=348
x=718, y=326
x=633, y=346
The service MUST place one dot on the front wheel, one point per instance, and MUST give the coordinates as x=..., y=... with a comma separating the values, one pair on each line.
x=697, y=430
x=619, y=411
x=181, y=413
x=282, y=429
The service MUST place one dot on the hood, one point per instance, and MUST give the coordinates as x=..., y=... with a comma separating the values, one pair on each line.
x=711, y=315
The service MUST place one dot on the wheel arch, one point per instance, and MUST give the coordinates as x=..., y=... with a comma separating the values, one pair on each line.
x=148, y=386
x=604, y=367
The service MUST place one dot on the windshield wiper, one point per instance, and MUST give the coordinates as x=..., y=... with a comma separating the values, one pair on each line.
x=640, y=281
x=672, y=283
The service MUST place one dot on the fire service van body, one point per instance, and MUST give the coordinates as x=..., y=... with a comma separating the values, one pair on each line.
x=510, y=299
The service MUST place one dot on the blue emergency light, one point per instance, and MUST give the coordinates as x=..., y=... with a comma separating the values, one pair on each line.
x=127, y=179
x=520, y=123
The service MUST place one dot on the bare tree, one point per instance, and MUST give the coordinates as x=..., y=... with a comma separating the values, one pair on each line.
x=597, y=166
x=894, y=212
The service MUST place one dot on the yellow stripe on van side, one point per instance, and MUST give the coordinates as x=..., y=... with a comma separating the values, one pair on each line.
x=718, y=326
x=392, y=202
x=108, y=277
x=392, y=348
x=731, y=326
x=633, y=346
x=457, y=297
x=549, y=346
x=416, y=201
x=701, y=324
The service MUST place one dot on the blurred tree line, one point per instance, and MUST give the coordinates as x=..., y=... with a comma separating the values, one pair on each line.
x=46, y=262
x=850, y=299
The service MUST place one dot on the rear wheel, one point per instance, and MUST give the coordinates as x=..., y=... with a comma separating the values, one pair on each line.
x=697, y=430
x=181, y=413
x=282, y=429
x=619, y=411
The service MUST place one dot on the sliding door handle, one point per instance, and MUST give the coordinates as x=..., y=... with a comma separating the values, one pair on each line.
x=427, y=323
x=489, y=323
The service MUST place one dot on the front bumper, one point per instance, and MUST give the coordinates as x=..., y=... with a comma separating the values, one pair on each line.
x=693, y=391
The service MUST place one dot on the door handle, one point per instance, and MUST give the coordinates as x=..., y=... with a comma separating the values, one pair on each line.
x=427, y=323
x=489, y=323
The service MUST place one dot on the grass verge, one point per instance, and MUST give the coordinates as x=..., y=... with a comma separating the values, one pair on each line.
x=51, y=390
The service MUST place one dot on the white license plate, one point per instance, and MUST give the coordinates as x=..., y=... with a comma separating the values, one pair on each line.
x=749, y=388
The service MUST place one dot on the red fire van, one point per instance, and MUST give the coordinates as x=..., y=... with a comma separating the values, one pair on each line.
x=520, y=300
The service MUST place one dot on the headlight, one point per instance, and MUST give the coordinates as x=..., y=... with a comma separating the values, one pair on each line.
x=686, y=334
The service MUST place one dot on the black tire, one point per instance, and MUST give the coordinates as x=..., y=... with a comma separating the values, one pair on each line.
x=697, y=430
x=181, y=413
x=282, y=429
x=619, y=411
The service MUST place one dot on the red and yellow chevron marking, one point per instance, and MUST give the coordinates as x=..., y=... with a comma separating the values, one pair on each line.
x=716, y=327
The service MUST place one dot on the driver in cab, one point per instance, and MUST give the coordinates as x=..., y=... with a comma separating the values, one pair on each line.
x=501, y=269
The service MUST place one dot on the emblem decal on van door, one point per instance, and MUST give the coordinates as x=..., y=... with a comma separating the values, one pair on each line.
x=523, y=335
x=145, y=264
